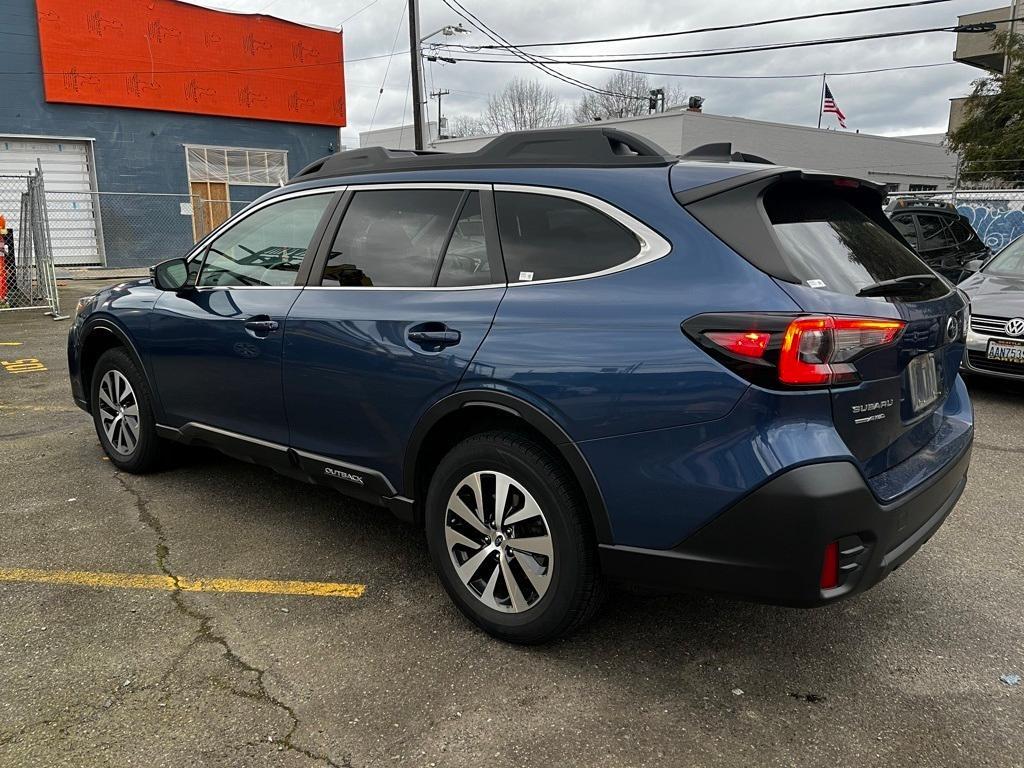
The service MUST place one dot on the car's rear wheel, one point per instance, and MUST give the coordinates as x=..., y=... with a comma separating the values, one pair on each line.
x=510, y=540
x=122, y=411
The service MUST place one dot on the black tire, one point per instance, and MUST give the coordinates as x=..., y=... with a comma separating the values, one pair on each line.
x=146, y=454
x=575, y=589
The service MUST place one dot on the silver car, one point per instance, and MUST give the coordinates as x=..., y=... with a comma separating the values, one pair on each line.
x=995, y=338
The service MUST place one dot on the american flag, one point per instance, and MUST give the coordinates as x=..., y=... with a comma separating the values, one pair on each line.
x=829, y=107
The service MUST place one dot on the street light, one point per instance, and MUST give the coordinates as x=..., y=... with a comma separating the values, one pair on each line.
x=447, y=30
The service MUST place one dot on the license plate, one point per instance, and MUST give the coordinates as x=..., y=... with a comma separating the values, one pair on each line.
x=1005, y=351
x=924, y=381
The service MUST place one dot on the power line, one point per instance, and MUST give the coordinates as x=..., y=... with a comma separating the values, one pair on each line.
x=349, y=18
x=795, y=76
x=475, y=21
x=387, y=69
x=723, y=28
x=771, y=77
x=711, y=52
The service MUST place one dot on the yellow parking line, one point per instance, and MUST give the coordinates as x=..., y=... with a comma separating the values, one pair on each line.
x=25, y=365
x=167, y=584
x=10, y=343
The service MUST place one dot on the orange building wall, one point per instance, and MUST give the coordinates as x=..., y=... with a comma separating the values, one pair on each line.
x=172, y=56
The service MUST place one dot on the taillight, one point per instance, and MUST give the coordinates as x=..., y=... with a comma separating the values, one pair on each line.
x=746, y=343
x=816, y=350
x=795, y=351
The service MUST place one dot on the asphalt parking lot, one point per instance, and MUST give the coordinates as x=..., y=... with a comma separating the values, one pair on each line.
x=116, y=648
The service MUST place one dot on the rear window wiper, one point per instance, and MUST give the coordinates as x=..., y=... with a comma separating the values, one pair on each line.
x=908, y=285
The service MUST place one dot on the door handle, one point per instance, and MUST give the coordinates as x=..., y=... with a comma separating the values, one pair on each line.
x=261, y=327
x=441, y=336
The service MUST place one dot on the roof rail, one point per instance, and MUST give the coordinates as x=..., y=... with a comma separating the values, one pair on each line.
x=721, y=152
x=569, y=147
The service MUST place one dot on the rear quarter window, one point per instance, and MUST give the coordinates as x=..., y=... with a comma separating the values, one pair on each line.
x=544, y=237
x=829, y=243
x=905, y=225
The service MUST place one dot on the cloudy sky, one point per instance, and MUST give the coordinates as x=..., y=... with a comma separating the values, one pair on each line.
x=901, y=102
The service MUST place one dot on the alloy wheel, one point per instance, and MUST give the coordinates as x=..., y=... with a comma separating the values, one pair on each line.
x=119, y=412
x=499, y=541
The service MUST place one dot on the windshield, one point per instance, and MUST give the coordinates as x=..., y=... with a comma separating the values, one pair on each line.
x=1009, y=261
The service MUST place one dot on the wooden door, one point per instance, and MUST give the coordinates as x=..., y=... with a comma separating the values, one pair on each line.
x=210, y=206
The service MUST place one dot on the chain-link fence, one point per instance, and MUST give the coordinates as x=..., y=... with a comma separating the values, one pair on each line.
x=26, y=253
x=129, y=229
x=997, y=215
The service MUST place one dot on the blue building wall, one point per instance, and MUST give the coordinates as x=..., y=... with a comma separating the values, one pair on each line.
x=135, y=150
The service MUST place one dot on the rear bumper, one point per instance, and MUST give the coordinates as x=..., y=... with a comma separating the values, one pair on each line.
x=770, y=546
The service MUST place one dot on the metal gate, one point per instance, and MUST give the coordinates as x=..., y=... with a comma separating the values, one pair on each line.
x=26, y=251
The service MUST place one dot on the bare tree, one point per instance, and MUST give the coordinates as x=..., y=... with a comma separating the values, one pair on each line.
x=462, y=126
x=628, y=96
x=523, y=105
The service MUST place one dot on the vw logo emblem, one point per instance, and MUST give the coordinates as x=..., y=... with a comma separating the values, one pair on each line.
x=1015, y=327
x=952, y=328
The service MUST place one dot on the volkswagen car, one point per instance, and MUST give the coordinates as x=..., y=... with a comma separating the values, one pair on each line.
x=995, y=341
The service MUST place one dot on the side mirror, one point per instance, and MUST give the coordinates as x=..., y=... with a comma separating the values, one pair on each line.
x=974, y=265
x=170, y=275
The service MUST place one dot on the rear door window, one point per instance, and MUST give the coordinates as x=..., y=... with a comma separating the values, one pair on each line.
x=935, y=232
x=391, y=238
x=829, y=243
x=544, y=237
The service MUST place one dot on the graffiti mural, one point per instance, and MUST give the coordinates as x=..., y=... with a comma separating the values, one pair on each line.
x=997, y=217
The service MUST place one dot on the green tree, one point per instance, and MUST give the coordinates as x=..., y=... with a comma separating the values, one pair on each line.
x=990, y=140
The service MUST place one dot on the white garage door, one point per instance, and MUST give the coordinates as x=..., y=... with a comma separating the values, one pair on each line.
x=69, y=191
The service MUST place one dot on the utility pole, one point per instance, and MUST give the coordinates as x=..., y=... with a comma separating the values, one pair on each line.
x=417, y=71
x=1007, y=64
x=440, y=119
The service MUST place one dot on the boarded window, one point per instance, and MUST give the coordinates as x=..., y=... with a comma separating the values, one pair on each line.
x=256, y=167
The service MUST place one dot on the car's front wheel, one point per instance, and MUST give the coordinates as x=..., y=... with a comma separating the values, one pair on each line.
x=510, y=540
x=122, y=411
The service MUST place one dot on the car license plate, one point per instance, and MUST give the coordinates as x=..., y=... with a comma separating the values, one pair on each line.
x=924, y=381
x=1005, y=351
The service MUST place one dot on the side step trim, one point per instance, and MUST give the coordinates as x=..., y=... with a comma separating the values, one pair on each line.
x=351, y=479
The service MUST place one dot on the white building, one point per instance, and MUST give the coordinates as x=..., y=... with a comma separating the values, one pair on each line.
x=904, y=163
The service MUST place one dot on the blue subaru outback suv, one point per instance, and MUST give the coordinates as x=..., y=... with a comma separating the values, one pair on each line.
x=569, y=358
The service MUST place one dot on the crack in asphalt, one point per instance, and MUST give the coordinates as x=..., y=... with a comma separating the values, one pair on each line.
x=1000, y=448
x=12, y=738
x=206, y=634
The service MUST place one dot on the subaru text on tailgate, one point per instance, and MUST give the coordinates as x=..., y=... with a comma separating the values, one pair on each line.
x=570, y=358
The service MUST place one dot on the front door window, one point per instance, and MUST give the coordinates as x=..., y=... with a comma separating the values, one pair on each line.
x=267, y=247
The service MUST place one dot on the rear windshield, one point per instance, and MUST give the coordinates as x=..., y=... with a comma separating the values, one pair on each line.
x=831, y=245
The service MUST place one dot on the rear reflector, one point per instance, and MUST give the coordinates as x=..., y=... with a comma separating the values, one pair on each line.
x=830, y=567
x=746, y=343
